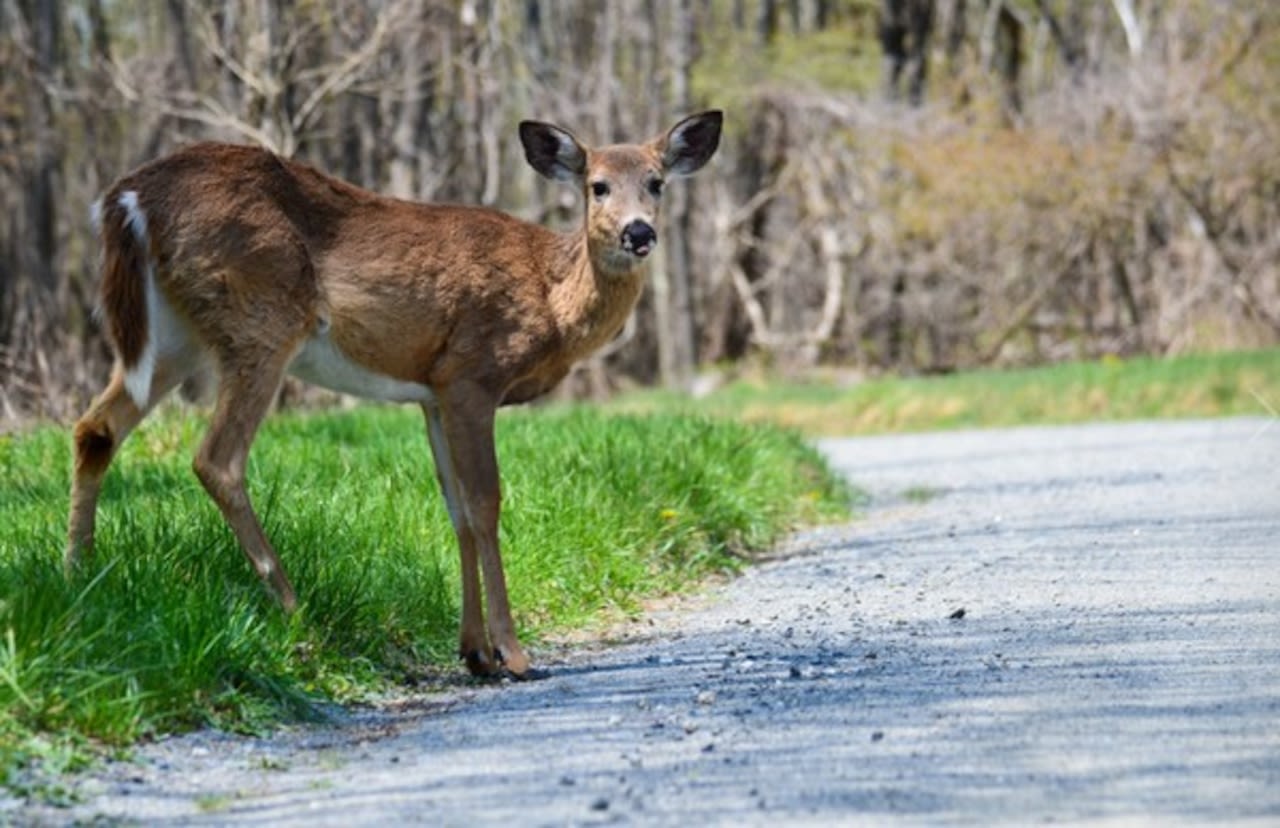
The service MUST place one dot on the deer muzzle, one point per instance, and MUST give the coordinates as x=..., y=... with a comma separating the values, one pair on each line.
x=639, y=238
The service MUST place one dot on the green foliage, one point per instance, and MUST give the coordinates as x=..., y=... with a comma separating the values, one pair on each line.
x=168, y=628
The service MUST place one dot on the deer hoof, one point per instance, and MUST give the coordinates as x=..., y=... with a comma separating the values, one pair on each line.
x=529, y=674
x=480, y=663
x=516, y=664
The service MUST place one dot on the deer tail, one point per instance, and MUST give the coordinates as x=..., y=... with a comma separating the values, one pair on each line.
x=128, y=289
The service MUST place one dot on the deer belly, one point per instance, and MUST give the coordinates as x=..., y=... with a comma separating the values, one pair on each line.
x=321, y=362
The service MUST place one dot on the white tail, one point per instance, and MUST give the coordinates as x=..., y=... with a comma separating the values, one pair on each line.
x=234, y=258
x=138, y=378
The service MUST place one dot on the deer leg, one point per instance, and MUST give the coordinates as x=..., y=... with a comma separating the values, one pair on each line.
x=97, y=437
x=467, y=414
x=244, y=398
x=473, y=641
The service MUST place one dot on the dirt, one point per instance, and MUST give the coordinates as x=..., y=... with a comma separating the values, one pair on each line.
x=1076, y=624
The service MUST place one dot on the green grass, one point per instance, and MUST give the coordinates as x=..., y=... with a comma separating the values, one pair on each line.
x=1210, y=385
x=169, y=628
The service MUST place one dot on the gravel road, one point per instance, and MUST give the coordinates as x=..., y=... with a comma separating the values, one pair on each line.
x=1075, y=624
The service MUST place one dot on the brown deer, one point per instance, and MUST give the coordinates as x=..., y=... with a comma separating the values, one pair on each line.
x=234, y=259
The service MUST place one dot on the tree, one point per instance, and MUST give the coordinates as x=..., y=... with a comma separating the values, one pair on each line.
x=905, y=28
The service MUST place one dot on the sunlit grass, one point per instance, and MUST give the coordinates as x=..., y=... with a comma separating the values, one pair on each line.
x=168, y=627
x=1209, y=385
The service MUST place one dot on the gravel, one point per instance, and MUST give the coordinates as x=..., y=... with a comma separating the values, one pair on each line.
x=1076, y=624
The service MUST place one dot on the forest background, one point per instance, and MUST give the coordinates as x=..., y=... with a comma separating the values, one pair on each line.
x=909, y=186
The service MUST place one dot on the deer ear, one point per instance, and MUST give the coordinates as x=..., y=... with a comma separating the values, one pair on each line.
x=691, y=143
x=553, y=151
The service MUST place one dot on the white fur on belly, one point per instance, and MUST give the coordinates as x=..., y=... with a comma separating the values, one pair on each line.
x=320, y=362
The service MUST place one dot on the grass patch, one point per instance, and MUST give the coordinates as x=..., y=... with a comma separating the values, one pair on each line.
x=169, y=628
x=1208, y=385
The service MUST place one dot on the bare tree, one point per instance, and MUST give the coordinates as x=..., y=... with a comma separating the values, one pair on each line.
x=1077, y=177
x=905, y=28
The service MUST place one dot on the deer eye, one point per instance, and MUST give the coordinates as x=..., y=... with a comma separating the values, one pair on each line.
x=655, y=187
x=599, y=189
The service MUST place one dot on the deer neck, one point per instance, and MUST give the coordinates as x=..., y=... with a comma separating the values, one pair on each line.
x=591, y=301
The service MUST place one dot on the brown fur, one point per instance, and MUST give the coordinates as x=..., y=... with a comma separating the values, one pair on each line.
x=93, y=447
x=257, y=254
x=124, y=303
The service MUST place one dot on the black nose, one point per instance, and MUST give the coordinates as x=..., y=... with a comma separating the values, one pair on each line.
x=639, y=237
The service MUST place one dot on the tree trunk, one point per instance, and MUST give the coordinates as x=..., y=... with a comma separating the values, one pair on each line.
x=683, y=355
x=42, y=179
x=905, y=28
x=406, y=137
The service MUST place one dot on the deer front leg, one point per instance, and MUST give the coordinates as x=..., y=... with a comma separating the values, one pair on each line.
x=467, y=416
x=473, y=640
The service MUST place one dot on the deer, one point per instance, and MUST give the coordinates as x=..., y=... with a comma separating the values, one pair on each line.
x=235, y=263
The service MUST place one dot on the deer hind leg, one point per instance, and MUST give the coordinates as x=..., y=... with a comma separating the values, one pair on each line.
x=244, y=397
x=473, y=640
x=97, y=437
x=467, y=417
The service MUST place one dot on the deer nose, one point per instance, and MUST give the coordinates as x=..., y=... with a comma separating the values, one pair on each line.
x=639, y=237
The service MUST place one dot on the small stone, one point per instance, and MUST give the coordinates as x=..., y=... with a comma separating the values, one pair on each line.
x=706, y=698
x=600, y=804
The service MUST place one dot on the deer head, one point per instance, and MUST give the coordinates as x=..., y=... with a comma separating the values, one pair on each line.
x=622, y=184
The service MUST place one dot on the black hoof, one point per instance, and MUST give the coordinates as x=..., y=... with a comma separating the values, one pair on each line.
x=532, y=674
x=480, y=664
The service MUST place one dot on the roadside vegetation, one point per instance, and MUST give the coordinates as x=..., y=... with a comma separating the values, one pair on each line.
x=170, y=629
x=1204, y=385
